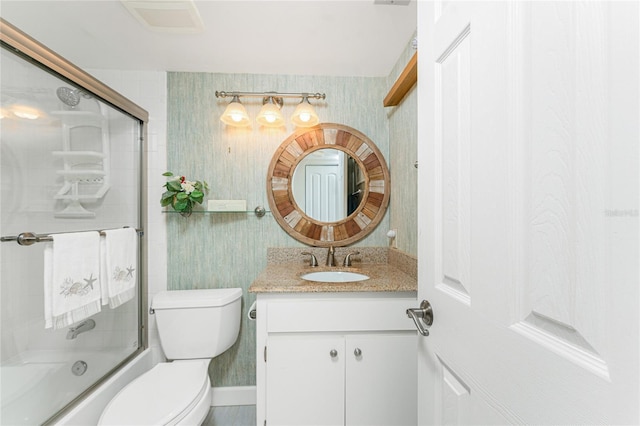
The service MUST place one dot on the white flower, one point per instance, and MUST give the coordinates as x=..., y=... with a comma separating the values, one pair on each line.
x=188, y=186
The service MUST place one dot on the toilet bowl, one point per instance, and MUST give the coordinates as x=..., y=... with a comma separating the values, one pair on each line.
x=194, y=326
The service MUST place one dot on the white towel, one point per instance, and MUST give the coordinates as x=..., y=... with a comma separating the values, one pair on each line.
x=119, y=260
x=71, y=278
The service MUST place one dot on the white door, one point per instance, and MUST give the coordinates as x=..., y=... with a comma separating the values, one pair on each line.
x=325, y=192
x=528, y=233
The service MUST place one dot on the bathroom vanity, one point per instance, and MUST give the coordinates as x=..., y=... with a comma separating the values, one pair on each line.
x=334, y=345
x=335, y=353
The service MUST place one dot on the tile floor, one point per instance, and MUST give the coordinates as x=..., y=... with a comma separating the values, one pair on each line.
x=236, y=415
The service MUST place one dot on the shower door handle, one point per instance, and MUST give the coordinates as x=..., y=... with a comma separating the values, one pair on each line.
x=422, y=317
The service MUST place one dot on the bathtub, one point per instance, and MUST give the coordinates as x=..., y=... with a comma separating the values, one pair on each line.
x=53, y=378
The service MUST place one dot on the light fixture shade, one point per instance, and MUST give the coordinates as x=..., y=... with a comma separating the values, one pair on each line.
x=235, y=114
x=270, y=115
x=305, y=115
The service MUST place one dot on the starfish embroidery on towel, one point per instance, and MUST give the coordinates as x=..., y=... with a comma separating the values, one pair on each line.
x=90, y=281
x=122, y=274
x=71, y=288
x=130, y=270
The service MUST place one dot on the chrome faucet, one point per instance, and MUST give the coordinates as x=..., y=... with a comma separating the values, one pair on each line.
x=80, y=328
x=347, y=258
x=331, y=259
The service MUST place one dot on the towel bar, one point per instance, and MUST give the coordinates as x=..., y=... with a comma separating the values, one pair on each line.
x=29, y=238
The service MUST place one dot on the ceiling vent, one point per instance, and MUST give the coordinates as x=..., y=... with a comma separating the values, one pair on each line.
x=171, y=16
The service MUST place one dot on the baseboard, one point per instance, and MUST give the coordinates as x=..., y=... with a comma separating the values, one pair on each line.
x=233, y=395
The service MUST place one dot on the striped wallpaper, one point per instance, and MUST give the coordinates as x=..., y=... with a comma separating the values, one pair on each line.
x=229, y=250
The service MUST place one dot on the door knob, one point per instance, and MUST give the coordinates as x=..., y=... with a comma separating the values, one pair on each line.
x=422, y=317
x=333, y=353
x=357, y=352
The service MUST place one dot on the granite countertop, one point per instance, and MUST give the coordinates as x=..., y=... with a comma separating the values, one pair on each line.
x=285, y=278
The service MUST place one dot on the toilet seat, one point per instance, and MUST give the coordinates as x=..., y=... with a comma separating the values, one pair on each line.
x=165, y=395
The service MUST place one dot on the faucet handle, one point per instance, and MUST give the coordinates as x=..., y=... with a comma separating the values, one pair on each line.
x=313, y=261
x=347, y=258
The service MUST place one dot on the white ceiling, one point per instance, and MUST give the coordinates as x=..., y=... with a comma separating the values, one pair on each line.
x=300, y=37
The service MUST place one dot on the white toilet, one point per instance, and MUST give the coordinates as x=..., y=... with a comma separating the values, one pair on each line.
x=194, y=326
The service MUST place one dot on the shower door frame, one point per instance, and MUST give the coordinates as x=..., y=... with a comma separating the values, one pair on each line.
x=35, y=52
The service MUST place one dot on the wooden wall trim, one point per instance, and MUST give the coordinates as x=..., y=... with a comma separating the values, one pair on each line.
x=404, y=83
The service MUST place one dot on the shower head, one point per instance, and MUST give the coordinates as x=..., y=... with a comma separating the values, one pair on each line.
x=69, y=96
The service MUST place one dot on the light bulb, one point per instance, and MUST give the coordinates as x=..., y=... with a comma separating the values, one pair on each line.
x=235, y=114
x=270, y=115
x=305, y=115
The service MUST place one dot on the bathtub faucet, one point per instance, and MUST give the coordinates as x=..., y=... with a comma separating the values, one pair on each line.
x=80, y=328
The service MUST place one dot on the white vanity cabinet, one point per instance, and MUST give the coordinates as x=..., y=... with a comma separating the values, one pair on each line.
x=336, y=359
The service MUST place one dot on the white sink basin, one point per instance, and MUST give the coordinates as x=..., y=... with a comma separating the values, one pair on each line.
x=334, y=276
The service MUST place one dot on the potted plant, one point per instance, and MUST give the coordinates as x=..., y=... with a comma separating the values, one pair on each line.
x=181, y=194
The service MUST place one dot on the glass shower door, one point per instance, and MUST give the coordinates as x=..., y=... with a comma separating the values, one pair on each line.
x=69, y=162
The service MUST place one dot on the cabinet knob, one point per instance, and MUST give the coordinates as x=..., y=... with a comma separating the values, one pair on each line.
x=357, y=352
x=333, y=353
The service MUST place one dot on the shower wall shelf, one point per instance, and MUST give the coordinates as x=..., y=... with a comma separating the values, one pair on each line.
x=85, y=171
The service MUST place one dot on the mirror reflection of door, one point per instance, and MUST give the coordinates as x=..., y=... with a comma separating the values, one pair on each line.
x=327, y=184
x=324, y=188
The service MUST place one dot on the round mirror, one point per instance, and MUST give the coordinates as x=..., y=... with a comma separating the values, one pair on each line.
x=328, y=185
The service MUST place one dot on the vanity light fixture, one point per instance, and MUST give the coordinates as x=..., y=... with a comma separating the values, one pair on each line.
x=270, y=114
x=235, y=114
x=305, y=115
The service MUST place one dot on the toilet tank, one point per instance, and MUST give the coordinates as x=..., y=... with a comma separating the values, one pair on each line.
x=197, y=323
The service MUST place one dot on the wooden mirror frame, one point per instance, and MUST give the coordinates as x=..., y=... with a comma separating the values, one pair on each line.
x=376, y=192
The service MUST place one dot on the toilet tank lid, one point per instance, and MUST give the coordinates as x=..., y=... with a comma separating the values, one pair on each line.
x=200, y=298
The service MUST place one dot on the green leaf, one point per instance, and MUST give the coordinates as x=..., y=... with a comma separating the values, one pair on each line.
x=174, y=185
x=197, y=196
x=202, y=186
x=167, y=198
x=182, y=196
x=181, y=205
x=168, y=194
x=167, y=174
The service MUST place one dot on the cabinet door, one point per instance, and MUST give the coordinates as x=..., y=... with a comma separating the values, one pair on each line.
x=381, y=380
x=305, y=380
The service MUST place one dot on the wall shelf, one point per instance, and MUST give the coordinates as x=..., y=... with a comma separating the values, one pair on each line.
x=404, y=83
x=258, y=211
